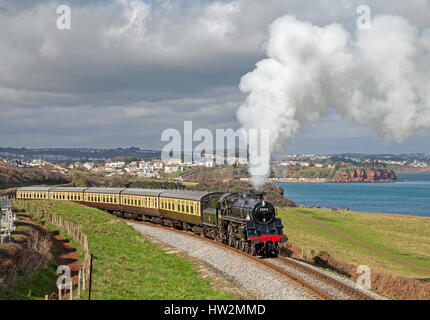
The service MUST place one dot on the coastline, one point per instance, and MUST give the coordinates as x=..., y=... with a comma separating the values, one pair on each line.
x=351, y=211
x=323, y=180
x=407, y=197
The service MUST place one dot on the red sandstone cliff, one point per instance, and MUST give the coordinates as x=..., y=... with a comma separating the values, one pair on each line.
x=363, y=175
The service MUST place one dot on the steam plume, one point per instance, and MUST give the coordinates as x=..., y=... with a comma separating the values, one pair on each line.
x=380, y=79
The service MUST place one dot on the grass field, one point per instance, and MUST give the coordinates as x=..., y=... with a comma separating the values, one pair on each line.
x=406, y=237
x=128, y=266
x=42, y=283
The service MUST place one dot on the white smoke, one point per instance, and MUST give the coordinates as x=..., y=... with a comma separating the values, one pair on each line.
x=380, y=79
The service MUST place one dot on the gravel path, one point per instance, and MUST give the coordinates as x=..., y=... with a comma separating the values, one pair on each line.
x=264, y=283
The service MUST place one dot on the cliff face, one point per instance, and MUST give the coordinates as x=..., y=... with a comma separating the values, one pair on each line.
x=362, y=175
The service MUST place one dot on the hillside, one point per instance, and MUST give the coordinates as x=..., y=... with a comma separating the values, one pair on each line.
x=396, y=248
x=274, y=193
x=13, y=177
x=75, y=154
x=126, y=265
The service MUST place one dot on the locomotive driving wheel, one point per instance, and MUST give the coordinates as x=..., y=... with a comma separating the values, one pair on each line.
x=237, y=244
x=253, y=250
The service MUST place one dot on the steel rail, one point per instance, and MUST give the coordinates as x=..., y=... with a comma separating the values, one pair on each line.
x=359, y=295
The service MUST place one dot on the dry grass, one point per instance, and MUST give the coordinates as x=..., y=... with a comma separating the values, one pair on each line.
x=20, y=262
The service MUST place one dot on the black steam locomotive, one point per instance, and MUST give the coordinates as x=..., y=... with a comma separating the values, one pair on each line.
x=249, y=223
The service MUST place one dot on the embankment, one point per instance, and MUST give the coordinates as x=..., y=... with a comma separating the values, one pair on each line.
x=128, y=266
x=396, y=248
x=27, y=268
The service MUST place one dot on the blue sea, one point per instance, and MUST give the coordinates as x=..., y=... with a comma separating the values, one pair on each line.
x=411, y=197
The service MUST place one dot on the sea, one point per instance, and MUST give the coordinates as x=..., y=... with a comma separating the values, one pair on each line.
x=411, y=196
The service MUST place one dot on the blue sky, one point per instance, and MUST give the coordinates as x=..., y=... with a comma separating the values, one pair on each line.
x=129, y=69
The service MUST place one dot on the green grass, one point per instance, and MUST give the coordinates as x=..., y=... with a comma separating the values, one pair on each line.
x=406, y=237
x=177, y=174
x=43, y=282
x=128, y=266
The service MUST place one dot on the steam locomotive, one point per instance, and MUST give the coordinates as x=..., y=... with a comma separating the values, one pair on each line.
x=245, y=221
x=249, y=222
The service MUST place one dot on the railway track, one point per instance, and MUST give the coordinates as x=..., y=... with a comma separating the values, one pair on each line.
x=328, y=280
x=291, y=277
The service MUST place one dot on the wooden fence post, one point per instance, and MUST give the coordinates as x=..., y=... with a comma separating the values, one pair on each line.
x=91, y=275
x=79, y=285
x=71, y=289
x=83, y=277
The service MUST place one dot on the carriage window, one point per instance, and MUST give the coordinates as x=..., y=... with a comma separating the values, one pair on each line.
x=183, y=208
x=192, y=209
x=187, y=208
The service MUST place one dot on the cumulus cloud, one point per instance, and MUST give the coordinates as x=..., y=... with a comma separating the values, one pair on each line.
x=380, y=79
x=132, y=58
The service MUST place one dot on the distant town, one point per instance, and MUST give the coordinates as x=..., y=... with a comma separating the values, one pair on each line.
x=147, y=163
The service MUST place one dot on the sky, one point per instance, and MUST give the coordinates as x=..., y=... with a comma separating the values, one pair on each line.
x=129, y=69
